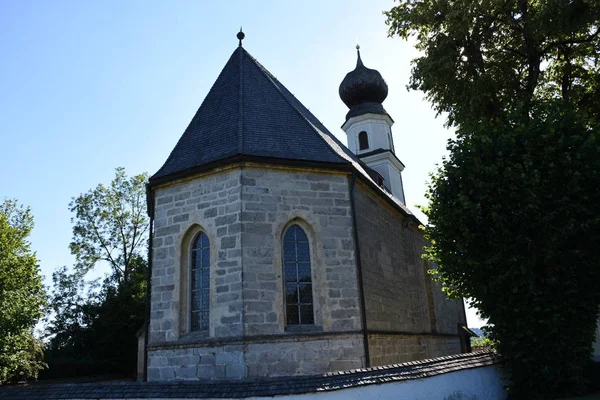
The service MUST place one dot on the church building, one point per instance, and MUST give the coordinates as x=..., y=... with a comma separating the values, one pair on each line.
x=277, y=251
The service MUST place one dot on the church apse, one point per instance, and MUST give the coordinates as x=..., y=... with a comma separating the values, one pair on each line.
x=245, y=212
x=259, y=214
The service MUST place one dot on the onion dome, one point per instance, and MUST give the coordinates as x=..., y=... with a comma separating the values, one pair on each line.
x=363, y=90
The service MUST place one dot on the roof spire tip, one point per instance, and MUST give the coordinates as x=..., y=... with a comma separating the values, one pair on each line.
x=358, y=60
x=240, y=36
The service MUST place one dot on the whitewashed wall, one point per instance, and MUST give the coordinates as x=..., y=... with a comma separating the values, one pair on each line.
x=483, y=383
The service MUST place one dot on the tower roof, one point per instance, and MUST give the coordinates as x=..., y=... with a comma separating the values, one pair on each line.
x=363, y=90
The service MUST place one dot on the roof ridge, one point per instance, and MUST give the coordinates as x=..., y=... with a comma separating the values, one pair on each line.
x=241, y=106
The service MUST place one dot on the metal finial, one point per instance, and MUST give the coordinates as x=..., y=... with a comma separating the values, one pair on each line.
x=358, y=60
x=240, y=36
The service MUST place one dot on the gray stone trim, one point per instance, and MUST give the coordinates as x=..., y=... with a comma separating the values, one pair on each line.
x=195, y=341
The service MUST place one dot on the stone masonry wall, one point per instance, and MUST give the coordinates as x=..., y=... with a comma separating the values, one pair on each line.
x=399, y=295
x=273, y=199
x=194, y=363
x=305, y=355
x=393, y=349
x=257, y=357
x=392, y=270
x=211, y=204
x=245, y=210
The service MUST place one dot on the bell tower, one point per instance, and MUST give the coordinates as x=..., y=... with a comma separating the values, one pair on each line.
x=369, y=127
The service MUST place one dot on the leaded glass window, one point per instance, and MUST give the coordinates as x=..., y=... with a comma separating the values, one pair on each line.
x=298, y=280
x=200, y=283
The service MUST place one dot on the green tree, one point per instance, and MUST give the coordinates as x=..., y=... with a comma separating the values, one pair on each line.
x=93, y=324
x=74, y=307
x=22, y=296
x=111, y=225
x=514, y=211
x=498, y=59
x=118, y=318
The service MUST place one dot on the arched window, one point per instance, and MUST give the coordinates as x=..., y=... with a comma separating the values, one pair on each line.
x=298, y=278
x=200, y=287
x=363, y=141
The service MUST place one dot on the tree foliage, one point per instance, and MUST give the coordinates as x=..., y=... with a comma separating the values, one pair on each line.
x=22, y=296
x=481, y=343
x=73, y=309
x=514, y=221
x=111, y=224
x=93, y=324
x=514, y=211
x=487, y=59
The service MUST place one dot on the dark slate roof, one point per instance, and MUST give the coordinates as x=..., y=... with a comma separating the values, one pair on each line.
x=362, y=85
x=363, y=90
x=248, y=111
x=253, y=388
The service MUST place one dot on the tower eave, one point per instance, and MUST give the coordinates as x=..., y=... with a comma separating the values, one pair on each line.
x=381, y=154
x=369, y=115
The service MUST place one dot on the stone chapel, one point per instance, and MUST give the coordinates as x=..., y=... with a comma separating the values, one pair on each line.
x=276, y=250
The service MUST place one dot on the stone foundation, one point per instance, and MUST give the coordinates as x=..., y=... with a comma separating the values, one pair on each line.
x=305, y=357
x=282, y=356
x=193, y=363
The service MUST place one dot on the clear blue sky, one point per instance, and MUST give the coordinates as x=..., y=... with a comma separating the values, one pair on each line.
x=88, y=86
